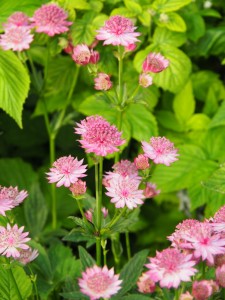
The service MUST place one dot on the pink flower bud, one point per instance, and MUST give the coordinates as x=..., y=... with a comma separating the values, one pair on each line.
x=105, y=212
x=78, y=188
x=186, y=296
x=202, y=290
x=145, y=284
x=150, y=190
x=94, y=57
x=89, y=214
x=81, y=54
x=130, y=47
x=145, y=80
x=141, y=162
x=103, y=82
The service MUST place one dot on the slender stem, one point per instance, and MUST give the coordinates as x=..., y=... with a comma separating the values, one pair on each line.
x=34, y=71
x=128, y=245
x=34, y=282
x=80, y=208
x=134, y=93
x=15, y=284
x=53, y=188
x=116, y=219
x=98, y=251
x=119, y=126
x=105, y=256
x=120, y=72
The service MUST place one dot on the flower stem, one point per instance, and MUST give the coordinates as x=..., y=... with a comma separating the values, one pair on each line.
x=53, y=188
x=116, y=218
x=128, y=245
x=120, y=72
x=34, y=282
x=80, y=208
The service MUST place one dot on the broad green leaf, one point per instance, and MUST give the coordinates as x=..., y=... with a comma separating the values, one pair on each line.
x=198, y=122
x=14, y=85
x=36, y=210
x=14, y=284
x=210, y=13
x=169, y=5
x=195, y=25
x=142, y=121
x=179, y=175
x=122, y=11
x=145, y=18
x=163, y=35
x=134, y=297
x=133, y=6
x=173, y=22
x=219, y=118
x=214, y=143
x=216, y=182
x=176, y=75
x=75, y=296
x=131, y=271
x=184, y=103
x=81, y=4
x=168, y=120
x=93, y=105
x=87, y=260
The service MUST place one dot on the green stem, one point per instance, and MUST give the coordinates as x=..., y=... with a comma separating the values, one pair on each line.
x=128, y=245
x=98, y=251
x=134, y=94
x=120, y=72
x=116, y=219
x=34, y=283
x=15, y=284
x=80, y=208
x=34, y=71
x=53, y=188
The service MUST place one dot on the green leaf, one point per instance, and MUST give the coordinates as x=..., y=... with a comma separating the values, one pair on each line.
x=170, y=5
x=87, y=260
x=173, y=22
x=195, y=25
x=14, y=281
x=36, y=210
x=74, y=295
x=184, y=103
x=210, y=13
x=214, y=143
x=168, y=120
x=131, y=271
x=216, y=182
x=219, y=118
x=145, y=18
x=133, y=6
x=133, y=297
x=163, y=35
x=142, y=121
x=122, y=11
x=14, y=85
x=179, y=175
x=198, y=122
x=81, y=4
x=176, y=75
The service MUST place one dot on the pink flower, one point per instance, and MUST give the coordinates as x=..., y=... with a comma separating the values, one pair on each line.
x=27, y=255
x=66, y=171
x=186, y=296
x=160, y=150
x=99, y=282
x=150, y=190
x=118, y=31
x=81, y=54
x=220, y=275
x=124, y=192
x=18, y=19
x=89, y=213
x=78, y=188
x=202, y=290
x=99, y=136
x=218, y=221
x=17, y=38
x=103, y=82
x=50, y=19
x=170, y=267
x=130, y=47
x=95, y=56
x=155, y=63
x=145, y=284
x=12, y=240
x=145, y=80
x=10, y=197
x=141, y=162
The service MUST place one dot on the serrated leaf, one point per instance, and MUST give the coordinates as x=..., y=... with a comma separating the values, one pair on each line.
x=170, y=5
x=195, y=25
x=131, y=271
x=216, y=182
x=81, y=4
x=174, y=22
x=145, y=18
x=168, y=120
x=14, y=85
x=133, y=6
x=214, y=143
x=87, y=260
x=198, y=122
x=14, y=281
x=219, y=117
x=163, y=35
x=122, y=11
x=184, y=103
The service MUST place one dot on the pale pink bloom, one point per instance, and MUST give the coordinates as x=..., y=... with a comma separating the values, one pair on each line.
x=81, y=54
x=204, y=242
x=141, y=162
x=13, y=240
x=99, y=136
x=145, y=284
x=27, y=255
x=105, y=212
x=186, y=296
x=160, y=150
x=102, y=82
x=124, y=191
x=170, y=267
x=202, y=290
x=17, y=38
x=218, y=221
x=145, y=80
x=50, y=19
x=118, y=31
x=99, y=282
x=155, y=63
x=95, y=56
x=78, y=188
x=66, y=171
x=150, y=190
x=130, y=47
x=18, y=19
x=220, y=275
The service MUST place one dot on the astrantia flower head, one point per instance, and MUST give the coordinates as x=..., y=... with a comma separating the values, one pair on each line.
x=27, y=255
x=160, y=150
x=99, y=283
x=81, y=54
x=78, y=188
x=12, y=240
x=141, y=162
x=66, y=171
x=145, y=284
x=145, y=80
x=202, y=290
x=218, y=221
x=18, y=18
x=50, y=19
x=170, y=267
x=155, y=63
x=186, y=296
x=150, y=190
x=103, y=82
x=95, y=56
x=17, y=38
x=124, y=191
x=118, y=31
x=98, y=136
